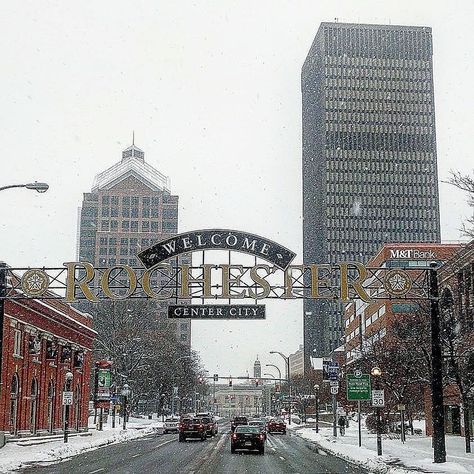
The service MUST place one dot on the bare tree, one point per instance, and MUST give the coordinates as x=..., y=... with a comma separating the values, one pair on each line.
x=465, y=182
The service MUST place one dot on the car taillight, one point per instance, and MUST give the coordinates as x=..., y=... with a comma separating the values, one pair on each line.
x=234, y=436
x=262, y=437
x=201, y=426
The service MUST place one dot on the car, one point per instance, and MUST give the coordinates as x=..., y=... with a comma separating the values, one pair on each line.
x=191, y=428
x=237, y=421
x=276, y=426
x=247, y=437
x=171, y=425
x=262, y=425
x=211, y=425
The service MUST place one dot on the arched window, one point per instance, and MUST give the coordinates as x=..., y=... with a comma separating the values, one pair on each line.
x=15, y=386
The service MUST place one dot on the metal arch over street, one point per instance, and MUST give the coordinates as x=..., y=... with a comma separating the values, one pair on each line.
x=179, y=284
x=218, y=239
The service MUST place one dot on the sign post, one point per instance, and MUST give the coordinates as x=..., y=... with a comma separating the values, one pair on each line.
x=358, y=388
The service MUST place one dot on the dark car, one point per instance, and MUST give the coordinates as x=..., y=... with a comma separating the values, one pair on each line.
x=237, y=421
x=211, y=425
x=276, y=426
x=247, y=437
x=262, y=425
x=192, y=428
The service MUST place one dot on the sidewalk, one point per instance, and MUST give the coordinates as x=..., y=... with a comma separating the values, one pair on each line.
x=26, y=451
x=415, y=454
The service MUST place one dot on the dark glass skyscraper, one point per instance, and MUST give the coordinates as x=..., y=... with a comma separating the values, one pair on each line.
x=369, y=152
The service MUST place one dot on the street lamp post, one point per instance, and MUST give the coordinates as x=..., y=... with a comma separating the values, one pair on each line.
x=125, y=394
x=376, y=373
x=287, y=361
x=41, y=188
x=69, y=377
x=316, y=406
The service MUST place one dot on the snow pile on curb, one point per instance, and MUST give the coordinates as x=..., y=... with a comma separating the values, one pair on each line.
x=398, y=458
x=14, y=456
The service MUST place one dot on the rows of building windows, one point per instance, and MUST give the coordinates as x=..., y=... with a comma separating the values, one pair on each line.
x=379, y=141
x=372, y=200
x=385, y=84
x=421, y=121
x=371, y=71
x=377, y=95
x=376, y=212
x=385, y=66
x=166, y=227
x=378, y=106
x=364, y=161
x=377, y=43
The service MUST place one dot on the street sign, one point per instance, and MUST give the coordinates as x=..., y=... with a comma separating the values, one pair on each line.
x=378, y=398
x=334, y=383
x=334, y=390
x=401, y=407
x=330, y=370
x=67, y=398
x=358, y=387
x=357, y=373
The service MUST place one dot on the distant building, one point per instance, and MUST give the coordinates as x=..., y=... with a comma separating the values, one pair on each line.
x=369, y=153
x=257, y=369
x=129, y=208
x=239, y=400
x=297, y=362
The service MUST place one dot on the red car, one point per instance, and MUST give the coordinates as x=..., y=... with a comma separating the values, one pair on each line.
x=276, y=426
x=192, y=428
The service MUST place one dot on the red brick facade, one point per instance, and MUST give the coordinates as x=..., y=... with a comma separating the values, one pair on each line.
x=42, y=341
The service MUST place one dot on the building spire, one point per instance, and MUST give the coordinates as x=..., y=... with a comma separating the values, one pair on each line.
x=133, y=137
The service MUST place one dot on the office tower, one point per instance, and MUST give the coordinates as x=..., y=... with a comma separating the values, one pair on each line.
x=369, y=153
x=129, y=208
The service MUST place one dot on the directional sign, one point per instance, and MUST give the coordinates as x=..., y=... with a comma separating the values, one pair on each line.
x=334, y=390
x=358, y=388
x=330, y=370
x=334, y=383
x=67, y=398
x=378, y=398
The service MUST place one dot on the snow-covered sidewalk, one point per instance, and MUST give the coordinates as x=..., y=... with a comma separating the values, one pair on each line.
x=24, y=452
x=415, y=454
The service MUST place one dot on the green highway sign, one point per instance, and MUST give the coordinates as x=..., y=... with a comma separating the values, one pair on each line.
x=358, y=387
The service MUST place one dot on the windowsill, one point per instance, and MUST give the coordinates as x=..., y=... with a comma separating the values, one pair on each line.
x=17, y=356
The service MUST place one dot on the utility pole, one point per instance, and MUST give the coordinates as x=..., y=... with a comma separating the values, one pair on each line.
x=439, y=443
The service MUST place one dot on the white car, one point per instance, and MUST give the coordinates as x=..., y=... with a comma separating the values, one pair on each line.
x=171, y=425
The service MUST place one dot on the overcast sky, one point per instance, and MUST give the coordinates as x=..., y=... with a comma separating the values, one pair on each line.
x=212, y=90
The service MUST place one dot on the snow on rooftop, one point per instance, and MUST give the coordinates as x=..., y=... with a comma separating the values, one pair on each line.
x=132, y=164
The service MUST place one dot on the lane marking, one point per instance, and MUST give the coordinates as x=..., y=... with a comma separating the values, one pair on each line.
x=136, y=455
x=282, y=458
x=97, y=470
x=162, y=444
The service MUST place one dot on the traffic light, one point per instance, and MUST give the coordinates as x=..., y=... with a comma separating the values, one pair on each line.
x=201, y=379
x=230, y=382
x=257, y=382
x=216, y=377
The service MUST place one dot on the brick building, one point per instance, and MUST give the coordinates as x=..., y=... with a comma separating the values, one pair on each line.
x=366, y=323
x=456, y=290
x=42, y=341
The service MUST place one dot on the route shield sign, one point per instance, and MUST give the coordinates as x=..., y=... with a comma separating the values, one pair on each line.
x=358, y=387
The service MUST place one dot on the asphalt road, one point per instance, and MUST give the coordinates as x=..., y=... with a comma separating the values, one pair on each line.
x=164, y=454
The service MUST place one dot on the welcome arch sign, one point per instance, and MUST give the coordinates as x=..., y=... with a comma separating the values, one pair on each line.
x=166, y=275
